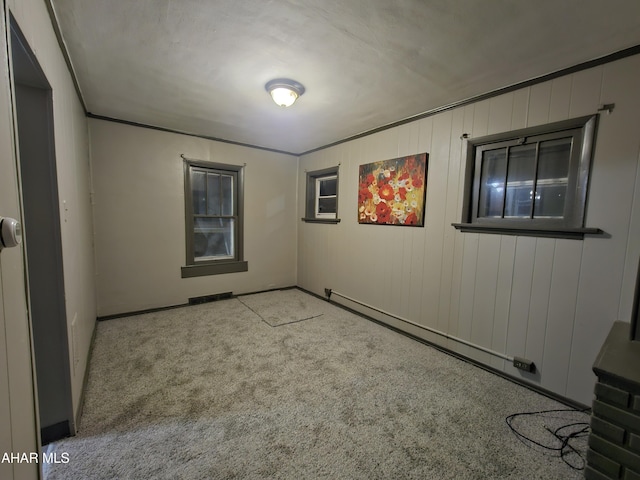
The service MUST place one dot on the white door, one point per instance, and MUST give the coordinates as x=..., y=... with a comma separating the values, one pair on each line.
x=18, y=424
x=6, y=471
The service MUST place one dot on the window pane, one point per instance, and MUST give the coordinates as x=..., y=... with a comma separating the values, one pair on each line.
x=213, y=194
x=199, y=193
x=522, y=170
x=328, y=186
x=494, y=169
x=327, y=205
x=213, y=238
x=227, y=194
x=553, y=177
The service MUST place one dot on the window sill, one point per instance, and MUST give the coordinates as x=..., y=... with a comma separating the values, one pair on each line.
x=320, y=220
x=213, y=269
x=569, y=233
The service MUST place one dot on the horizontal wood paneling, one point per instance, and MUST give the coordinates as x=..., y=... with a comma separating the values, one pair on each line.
x=549, y=300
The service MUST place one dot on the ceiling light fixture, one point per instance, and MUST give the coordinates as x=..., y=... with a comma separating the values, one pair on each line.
x=284, y=91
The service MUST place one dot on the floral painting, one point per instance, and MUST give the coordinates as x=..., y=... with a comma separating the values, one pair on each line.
x=392, y=192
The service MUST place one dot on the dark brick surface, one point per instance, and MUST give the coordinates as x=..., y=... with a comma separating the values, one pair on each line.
x=616, y=415
x=607, y=430
x=614, y=441
x=615, y=452
x=631, y=475
x=612, y=395
x=604, y=464
x=592, y=474
x=634, y=442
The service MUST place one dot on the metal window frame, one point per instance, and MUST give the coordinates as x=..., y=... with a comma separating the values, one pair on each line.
x=583, y=129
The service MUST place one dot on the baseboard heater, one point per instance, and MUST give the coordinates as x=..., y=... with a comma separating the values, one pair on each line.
x=432, y=330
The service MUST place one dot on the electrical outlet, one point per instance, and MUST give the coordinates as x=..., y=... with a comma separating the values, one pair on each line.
x=523, y=364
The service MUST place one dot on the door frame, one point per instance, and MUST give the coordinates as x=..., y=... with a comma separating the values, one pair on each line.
x=40, y=204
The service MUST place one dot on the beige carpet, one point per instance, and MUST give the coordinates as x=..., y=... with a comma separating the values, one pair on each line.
x=213, y=392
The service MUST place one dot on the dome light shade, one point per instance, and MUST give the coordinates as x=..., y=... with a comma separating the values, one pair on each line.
x=284, y=91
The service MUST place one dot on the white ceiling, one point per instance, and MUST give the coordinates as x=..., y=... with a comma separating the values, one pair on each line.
x=200, y=66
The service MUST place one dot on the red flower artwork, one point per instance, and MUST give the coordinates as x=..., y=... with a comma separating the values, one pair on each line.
x=386, y=192
x=383, y=212
x=411, y=219
x=392, y=192
x=364, y=194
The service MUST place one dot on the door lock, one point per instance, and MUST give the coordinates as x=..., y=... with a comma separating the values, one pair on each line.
x=10, y=232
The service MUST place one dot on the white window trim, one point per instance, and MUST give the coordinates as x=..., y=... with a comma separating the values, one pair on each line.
x=318, y=214
x=312, y=194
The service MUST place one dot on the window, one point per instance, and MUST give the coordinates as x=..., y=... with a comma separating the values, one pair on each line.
x=213, y=208
x=322, y=196
x=326, y=200
x=530, y=182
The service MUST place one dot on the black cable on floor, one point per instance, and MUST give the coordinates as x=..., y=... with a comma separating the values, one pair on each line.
x=579, y=430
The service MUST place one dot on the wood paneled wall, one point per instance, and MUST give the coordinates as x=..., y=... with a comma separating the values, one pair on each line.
x=549, y=300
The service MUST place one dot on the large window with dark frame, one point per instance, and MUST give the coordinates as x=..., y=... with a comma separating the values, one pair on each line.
x=532, y=181
x=213, y=210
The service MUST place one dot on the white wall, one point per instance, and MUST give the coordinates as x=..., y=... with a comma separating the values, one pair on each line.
x=140, y=218
x=548, y=300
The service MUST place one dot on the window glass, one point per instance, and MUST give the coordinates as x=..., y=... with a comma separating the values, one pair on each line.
x=494, y=169
x=327, y=205
x=199, y=192
x=553, y=178
x=213, y=238
x=213, y=194
x=328, y=186
x=521, y=172
x=226, y=198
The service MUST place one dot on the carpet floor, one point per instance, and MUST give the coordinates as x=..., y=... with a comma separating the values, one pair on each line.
x=214, y=391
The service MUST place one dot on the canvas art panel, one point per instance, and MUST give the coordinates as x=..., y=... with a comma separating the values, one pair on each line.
x=392, y=192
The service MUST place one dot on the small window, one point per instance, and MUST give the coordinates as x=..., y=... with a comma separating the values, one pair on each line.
x=322, y=196
x=326, y=197
x=532, y=181
x=213, y=208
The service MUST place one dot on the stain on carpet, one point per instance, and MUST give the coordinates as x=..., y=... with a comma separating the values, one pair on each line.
x=283, y=307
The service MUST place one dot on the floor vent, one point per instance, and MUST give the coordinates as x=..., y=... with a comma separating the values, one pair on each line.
x=210, y=298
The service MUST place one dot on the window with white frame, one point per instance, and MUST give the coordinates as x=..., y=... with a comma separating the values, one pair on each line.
x=213, y=211
x=326, y=201
x=322, y=196
x=532, y=181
